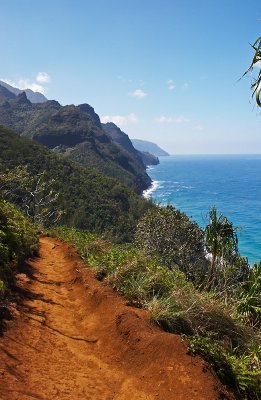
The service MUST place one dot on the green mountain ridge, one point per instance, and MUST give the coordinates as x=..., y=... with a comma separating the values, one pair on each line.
x=76, y=132
x=90, y=199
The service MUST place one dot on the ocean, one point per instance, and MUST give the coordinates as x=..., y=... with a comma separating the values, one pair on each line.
x=195, y=183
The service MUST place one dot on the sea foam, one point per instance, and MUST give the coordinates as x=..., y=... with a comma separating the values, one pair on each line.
x=147, y=194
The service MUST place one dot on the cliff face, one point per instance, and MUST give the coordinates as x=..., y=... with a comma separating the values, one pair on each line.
x=118, y=136
x=149, y=159
x=76, y=132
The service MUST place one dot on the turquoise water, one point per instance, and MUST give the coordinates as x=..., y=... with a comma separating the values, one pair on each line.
x=193, y=184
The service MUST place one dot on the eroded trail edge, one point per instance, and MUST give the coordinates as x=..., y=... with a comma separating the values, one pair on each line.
x=74, y=338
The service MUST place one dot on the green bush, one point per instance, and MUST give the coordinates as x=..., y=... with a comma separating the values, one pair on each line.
x=241, y=371
x=227, y=268
x=178, y=243
x=18, y=241
x=250, y=304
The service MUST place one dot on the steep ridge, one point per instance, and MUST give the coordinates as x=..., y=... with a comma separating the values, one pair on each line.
x=75, y=132
x=74, y=338
x=123, y=140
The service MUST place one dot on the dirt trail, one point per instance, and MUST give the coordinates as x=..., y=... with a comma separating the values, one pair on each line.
x=74, y=338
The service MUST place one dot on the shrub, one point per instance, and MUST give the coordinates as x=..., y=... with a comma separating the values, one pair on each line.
x=178, y=243
x=239, y=371
x=250, y=305
x=18, y=241
x=227, y=268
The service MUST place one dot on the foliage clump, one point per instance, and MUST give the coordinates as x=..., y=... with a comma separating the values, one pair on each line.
x=177, y=242
x=36, y=195
x=256, y=85
x=227, y=269
x=236, y=368
x=18, y=241
x=249, y=305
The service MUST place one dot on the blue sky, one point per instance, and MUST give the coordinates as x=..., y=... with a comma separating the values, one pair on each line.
x=166, y=71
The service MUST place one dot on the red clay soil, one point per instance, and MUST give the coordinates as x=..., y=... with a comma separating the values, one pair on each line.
x=74, y=338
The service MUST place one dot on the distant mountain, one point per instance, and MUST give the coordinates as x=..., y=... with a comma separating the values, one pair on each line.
x=34, y=97
x=144, y=145
x=5, y=94
x=75, y=132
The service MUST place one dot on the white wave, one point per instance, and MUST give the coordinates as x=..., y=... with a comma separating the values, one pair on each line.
x=148, y=192
x=149, y=168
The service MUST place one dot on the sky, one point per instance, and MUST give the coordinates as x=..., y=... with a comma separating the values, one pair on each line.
x=167, y=71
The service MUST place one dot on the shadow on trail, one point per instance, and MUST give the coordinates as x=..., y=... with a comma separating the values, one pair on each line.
x=20, y=291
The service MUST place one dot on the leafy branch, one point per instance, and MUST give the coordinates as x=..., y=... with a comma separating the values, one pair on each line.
x=256, y=85
x=37, y=196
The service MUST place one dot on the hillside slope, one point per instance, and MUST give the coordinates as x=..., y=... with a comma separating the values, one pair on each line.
x=90, y=199
x=123, y=140
x=75, y=132
x=74, y=338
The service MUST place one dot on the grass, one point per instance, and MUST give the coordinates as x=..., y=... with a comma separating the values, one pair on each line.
x=228, y=344
x=18, y=240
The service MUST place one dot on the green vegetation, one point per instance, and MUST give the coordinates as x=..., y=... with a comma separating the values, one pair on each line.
x=36, y=195
x=214, y=304
x=88, y=199
x=227, y=267
x=180, y=244
x=250, y=304
x=256, y=85
x=76, y=133
x=18, y=241
x=214, y=328
x=175, y=240
x=237, y=368
x=221, y=239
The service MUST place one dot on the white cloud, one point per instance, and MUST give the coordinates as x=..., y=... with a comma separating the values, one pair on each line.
x=35, y=87
x=120, y=120
x=171, y=120
x=43, y=77
x=138, y=93
x=171, y=85
x=22, y=84
x=199, y=128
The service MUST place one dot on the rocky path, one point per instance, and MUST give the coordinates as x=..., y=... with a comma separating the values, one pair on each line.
x=74, y=338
